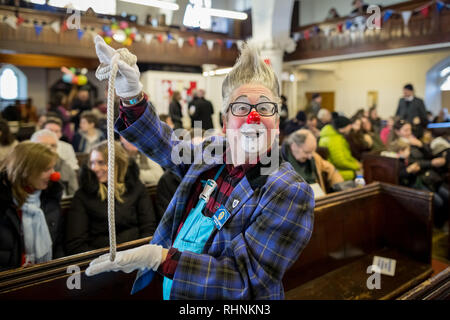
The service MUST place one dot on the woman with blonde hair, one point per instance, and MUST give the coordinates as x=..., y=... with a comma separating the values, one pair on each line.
x=30, y=214
x=87, y=219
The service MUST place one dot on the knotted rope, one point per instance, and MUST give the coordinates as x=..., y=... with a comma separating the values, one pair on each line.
x=104, y=72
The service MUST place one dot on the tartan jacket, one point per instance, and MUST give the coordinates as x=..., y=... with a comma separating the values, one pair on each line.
x=271, y=221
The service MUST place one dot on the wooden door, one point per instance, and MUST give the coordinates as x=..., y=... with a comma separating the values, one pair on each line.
x=327, y=99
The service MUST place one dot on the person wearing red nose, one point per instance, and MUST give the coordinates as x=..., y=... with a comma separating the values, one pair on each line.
x=240, y=216
x=30, y=214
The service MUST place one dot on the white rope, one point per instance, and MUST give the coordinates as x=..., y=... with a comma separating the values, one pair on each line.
x=104, y=72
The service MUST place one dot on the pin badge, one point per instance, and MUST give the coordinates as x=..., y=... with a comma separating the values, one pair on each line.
x=235, y=203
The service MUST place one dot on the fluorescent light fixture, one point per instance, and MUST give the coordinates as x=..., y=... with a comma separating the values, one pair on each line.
x=155, y=3
x=224, y=13
x=217, y=72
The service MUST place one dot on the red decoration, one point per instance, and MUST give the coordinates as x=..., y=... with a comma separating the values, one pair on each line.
x=267, y=61
x=340, y=27
x=219, y=42
x=306, y=34
x=425, y=11
x=192, y=86
x=64, y=26
x=19, y=20
x=191, y=41
x=160, y=38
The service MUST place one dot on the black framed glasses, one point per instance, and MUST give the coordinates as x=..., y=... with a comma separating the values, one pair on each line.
x=242, y=109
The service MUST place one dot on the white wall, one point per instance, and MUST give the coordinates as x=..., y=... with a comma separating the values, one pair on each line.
x=312, y=11
x=351, y=80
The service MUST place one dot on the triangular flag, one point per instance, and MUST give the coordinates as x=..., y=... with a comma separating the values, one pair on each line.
x=326, y=30
x=38, y=29
x=239, y=44
x=191, y=41
x=180, y=42
x=19, y=21
x=296, y=36
x=406, y=15
x=64, y=26
x=169, y=37
x=306, y=34
x=199, y=41
x=56, y=26
x=148, y=38
x=210, y=44
x=387, y=15
x=348, y=24
x=11, y=21
x=339, y=26
x=425, y=11
x=160, y=38
x=439, y=5
x=80, y=33
x=219, y=42
x=228, y=43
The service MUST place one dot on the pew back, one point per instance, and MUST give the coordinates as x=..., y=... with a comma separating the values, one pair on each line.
x=379, y=168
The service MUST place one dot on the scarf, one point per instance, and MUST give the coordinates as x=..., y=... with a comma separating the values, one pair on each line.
x=38, y=243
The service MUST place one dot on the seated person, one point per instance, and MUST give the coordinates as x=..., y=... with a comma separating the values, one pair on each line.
x=69, y=178
x=358, y=141
x=149, y=171
x=30, y=212
x=429, y=171
x=65, y=150
x=7, y=140
x=333, y=137
x=367, y=127
x=300, y=150
x=87, y=219
x=88, y=135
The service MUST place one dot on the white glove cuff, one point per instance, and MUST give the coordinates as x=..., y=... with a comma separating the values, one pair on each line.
x=131, y=92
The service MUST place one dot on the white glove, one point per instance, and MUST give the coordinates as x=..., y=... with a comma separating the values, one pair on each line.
x=146, y=256
x=127, y=80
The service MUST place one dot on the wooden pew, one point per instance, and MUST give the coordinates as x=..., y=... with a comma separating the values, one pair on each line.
x=436, y=288
x=350, y=227
x=353, y=226
x=379, y=168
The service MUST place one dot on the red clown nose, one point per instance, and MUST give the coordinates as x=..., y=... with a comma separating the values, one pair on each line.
x=55, y=176
x=254, y=118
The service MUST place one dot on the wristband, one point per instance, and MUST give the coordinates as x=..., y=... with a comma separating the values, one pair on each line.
x=134, y=100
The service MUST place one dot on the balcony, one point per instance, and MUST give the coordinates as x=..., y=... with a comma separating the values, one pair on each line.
x=427, y=28
x=75, y=47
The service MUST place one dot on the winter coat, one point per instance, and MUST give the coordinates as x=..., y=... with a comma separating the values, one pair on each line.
x=339, y=152
x=87, y=219
x=11, y=232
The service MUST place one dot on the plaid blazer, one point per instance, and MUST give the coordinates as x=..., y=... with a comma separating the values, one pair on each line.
x=271, y=220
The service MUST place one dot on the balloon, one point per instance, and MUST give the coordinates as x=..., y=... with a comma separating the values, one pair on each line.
x=67, y=78
x=73, y=70
x=127, y=31
x=123, y=25
x=127, y=42
x=119, y=36
x=109, y=33
x=84, y=71
x=75, y=80
x=108, y=40
x=82, y=80
x=106, y=28
x=114, y=26
x=132, y=36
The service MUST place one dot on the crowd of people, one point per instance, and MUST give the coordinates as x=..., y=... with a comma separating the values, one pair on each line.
x=325, y=148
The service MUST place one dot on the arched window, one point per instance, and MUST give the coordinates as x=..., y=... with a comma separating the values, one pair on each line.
x=13, y=85
x=445, y=78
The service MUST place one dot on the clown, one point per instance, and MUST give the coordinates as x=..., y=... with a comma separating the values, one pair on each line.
x=230, y=231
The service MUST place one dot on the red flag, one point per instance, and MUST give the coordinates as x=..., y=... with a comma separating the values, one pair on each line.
x=340, y=27
x=425, y=11
x=267, y=61
x=219, y=42
x=19, y=21
x=64, y=26
x=306, y=34
x=160, y=38
x=191, y=41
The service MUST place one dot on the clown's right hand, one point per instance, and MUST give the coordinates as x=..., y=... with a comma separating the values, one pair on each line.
x=148, y=256
x=127, y=80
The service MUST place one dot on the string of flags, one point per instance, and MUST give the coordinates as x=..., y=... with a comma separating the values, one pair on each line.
x=359, y=22
x=120, y=32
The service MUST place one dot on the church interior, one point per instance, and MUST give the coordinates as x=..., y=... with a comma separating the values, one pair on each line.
x=364, y=119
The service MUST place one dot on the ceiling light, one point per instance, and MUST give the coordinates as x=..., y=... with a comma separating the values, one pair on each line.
x=225, y=13
x=155, y=3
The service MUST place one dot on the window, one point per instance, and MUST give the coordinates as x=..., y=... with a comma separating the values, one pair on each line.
x=9, y=84
x=446, y=85
x=445, y=79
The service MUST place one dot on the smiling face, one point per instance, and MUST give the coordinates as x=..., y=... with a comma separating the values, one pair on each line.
x=40, y=181
x=405, y=131
x=247, y=137
x=98, y=164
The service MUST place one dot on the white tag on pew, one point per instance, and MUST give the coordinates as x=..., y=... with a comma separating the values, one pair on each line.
x=318, y=192
x=386, y=265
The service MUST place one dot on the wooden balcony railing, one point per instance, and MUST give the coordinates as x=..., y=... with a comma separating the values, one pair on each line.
x=24, y=39
x=332, y=38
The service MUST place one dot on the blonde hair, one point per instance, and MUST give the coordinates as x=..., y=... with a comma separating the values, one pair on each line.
x=27, y=161
x=398, y=145
x=249, y=68
x=121, y=162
